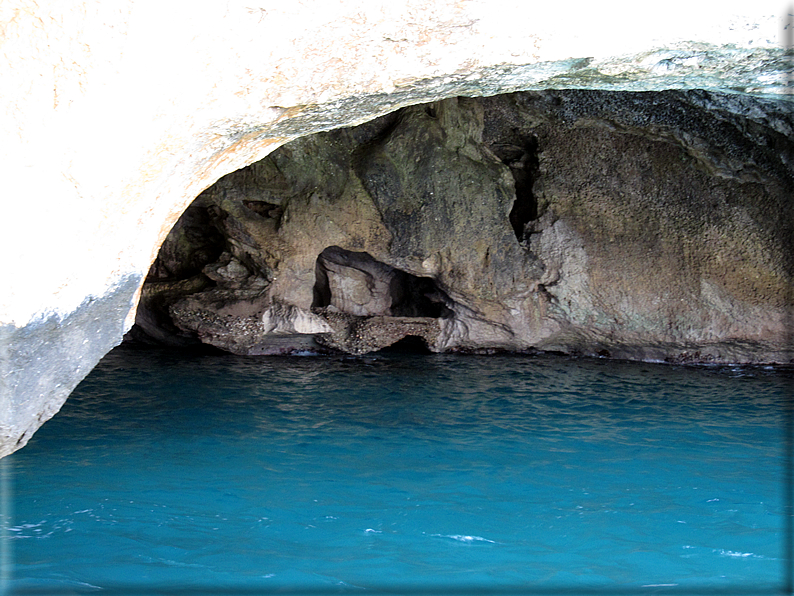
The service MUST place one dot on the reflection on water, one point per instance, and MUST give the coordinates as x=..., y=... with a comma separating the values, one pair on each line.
x=350, y=474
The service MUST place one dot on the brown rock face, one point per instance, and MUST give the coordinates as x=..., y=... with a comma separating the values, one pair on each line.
x=649, y=226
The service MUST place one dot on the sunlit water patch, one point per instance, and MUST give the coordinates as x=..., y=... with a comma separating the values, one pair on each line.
x=210, y=473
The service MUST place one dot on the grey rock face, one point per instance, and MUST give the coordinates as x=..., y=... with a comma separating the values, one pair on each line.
x=653, y=225
x=58, y=353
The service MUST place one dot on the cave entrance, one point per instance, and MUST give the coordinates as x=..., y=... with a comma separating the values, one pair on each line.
x=410, y=344
x=357, y=284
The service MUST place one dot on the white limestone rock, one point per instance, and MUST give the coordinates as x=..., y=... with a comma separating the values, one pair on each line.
x=280, y=319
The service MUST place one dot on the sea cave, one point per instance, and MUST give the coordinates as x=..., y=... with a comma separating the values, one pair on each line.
x=426, y=297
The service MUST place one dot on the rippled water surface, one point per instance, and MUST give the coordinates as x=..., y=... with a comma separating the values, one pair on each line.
x=216, y=474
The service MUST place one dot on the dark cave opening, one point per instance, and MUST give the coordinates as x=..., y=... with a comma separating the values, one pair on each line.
x=522, y=159
x=194, y=242
x=410, y=344
x=356, y=283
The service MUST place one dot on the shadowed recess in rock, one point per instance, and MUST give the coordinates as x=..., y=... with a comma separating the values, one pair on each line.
x=522, y=159
x=410, y=344
x=356, y=284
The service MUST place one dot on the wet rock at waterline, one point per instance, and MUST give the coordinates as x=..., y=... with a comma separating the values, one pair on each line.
x=651, y=226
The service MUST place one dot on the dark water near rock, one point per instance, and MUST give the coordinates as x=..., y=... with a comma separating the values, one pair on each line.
x=446, y=474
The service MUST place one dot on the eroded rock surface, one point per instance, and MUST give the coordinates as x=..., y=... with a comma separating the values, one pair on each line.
x=118, y=114
x=651, y=226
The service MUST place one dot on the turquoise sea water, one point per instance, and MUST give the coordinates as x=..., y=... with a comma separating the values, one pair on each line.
x=217, y=474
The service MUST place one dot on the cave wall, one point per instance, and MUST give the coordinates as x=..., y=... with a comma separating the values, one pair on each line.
x=645, y=226
x=117, y=115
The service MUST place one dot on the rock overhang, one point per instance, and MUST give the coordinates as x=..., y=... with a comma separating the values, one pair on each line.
x=652, y=229
x=212, y=89
x=118, y=115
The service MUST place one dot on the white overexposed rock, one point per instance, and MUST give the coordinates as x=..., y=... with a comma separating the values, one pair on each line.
x=116, y=115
